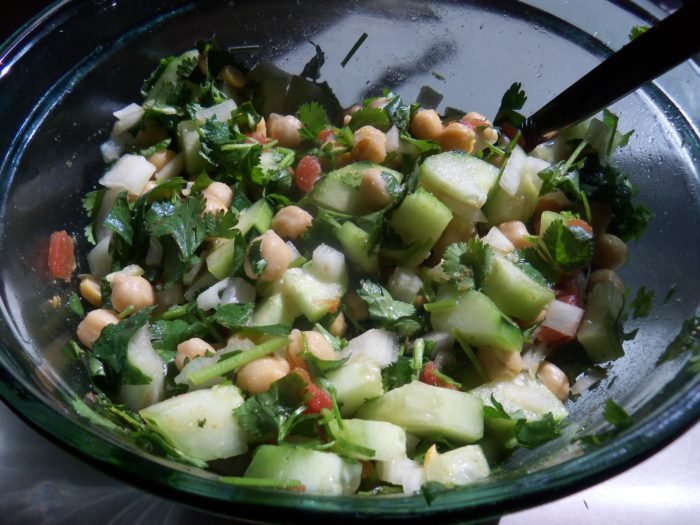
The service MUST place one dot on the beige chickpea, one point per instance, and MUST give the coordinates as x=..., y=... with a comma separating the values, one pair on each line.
x=90, y=290
x=278, y=256
x=310, y=340
x=339, y=326
x=485, y=133
x=369, y=144
x=161, y=158
x=232, y=76
x=554, y=379
x=457, y=136
x=356, y=308
x=218, y=197
x=191, y=349
x=500, y=365
x=257, y=376
x=131, y=290
x=284, y=129
x=610, y=252
x=516, y=232
x=91, y=327
x=291, y=222
x=426, y=124
x=603, y=276
x=373, y=192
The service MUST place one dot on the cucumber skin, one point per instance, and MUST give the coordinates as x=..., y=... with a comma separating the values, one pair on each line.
x=514, y=292
x=388, y=441
x=313, y=296
x=319, y=472
x=355, y=242
x=190, y=144
x=598, y=333
x=421, y=218
x=220, y=261
x=479, y=321
x=429, y=411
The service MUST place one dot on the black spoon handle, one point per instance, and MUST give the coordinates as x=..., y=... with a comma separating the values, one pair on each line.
x=672, y=41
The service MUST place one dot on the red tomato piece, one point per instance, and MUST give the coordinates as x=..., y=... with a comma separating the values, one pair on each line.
x=307, y=172
x=326, y=135
x=429, y=377
x=548, y=336
x=579, y=223
x=61, y=255
x=318, y=400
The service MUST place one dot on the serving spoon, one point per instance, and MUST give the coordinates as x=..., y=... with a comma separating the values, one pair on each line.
x=670, y=42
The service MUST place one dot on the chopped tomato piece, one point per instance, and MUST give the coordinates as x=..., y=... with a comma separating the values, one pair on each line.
x=307, y=172
x=567, y=292
x=326, y=135
x=318, y=398
x=429, y=377
x=549, y=336
x=61, y=255
x=256, y=137
x=579, y=223
x=573, y=300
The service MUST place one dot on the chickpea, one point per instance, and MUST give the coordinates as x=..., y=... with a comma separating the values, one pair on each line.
x=485, y=134
x=232, y=76
x=379, y=102
x=339, y=326
x=373, y=192
x=278, y=256
x=90, y=290
x=257, y=376
x=603, y=276
x=554, y=379
x=284, y=129
x=610, y=252
x=131, y=290
x=218, y=197
x=291, y=222
x=161, y=158
x=357, y=309
x=426, y=124
x=500, y=365
x=516, y=232
x=457, y=136
x=191, y=349
x=316, y=343
x=369, y=144
x=91, y=327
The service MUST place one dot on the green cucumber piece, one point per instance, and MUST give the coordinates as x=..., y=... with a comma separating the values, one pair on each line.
x=599, y=333
x=546, y=220
x=524, y=395
x=502, y=207
x=258, y=216
x=275, y=309
x=168, y=77
x=355, y=242
x=220, y=260
x=479, y=321
x=314, y=296
x=355, y=382
x=429, y=411
x=420, y=218
x=514, y=292
x=200, y=423
x=143, y=381
x=460, y=466
x=464, y=178
x=319, y=472
x=338, y=191
x=386, y=440
x=190, y=144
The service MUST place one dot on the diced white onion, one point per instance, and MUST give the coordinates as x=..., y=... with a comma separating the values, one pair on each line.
x=563, y=318
x=513, y=172
x=172, y=168
x=532, y=358
x=111, y=150
x=238, y=291
x=404, y=285
x=202, y=282
x=99, y=258
x=295, y=252
x=377, y=345
x=221, y=111
x=131, y=173
x=532, y=167
x=127, y=118
x=392, y=140
x=211, y=297
x=586, y=381
x=498, y=241
x=329, y=264
x=404, y=472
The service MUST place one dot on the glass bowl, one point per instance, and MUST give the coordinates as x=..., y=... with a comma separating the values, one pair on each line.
x=62, y=76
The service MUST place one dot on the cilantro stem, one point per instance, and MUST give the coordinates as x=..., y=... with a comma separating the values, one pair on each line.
x=572, y=158
x=174, y=312
x=354, y=49
x=447, y=379
x=470, y=354
x=240, y=481
x=229, y=365
x=417, y=363
x=126, y=312
x=439, y=306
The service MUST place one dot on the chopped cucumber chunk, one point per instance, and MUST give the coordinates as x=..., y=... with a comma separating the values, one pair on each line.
x=385, y=440
x=599, y=332
x=421, y=218
x=146, y=372
x=460, y=466
x=356, y=382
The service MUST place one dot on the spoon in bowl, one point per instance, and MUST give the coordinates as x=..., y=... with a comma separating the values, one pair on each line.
x=667, y=44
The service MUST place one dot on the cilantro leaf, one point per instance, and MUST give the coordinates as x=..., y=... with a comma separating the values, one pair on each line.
x=496, y=410
x=112, y=344
x=687, y=340
x=637, y=31
x=513, y=100
x=398, y=112
x=92, y=202
x=617, y=417
x=314, y=120
x=561, y=249
x=642, y=303
x=383, y=308
x=320, y=367
x=531, y=434
x=312, y=69
x=431, y=490
x=398, y=373
x=467, y=263
x=119, y=218
x=234, y=316
x=166, y=335
x=370, y=116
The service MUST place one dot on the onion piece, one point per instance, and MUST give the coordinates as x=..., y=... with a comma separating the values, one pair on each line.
x=404, y=285
x=586, y=380
x=563, y=318
x=238, y=291
x=99, y=258
x=211, y=297
x=130, y=173
x=533, y=356
x=127, y=118
x=498, y=241
x=513, y=172
x=329, y=264
x=392, y=140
